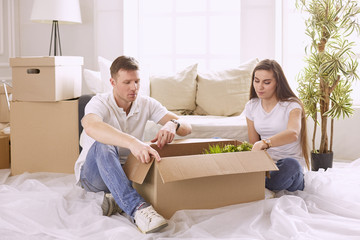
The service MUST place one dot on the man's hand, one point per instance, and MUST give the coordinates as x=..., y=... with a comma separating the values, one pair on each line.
x=144, y=152
x=165, y=135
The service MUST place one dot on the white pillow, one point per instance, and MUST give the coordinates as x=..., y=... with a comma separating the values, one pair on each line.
x=93, y=81
x=175, y=92
x=104, y=66
x=225, y=92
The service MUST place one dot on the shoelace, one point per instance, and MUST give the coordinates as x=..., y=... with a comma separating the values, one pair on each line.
x=148, y=213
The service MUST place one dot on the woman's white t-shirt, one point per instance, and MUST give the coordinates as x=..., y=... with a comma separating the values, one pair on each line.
x=268, y=124
x=144, y=108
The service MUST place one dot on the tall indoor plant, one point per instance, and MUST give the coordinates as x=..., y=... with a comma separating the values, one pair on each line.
x=325, y=82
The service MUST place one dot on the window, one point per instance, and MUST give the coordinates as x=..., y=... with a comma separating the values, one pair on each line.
x=182, y=32
x=167, y=35
x=294, y=41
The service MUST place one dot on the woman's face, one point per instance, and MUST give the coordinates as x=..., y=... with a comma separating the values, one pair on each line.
x=265, y=84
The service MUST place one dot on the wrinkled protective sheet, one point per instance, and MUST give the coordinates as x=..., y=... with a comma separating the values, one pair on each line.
x=49, y=206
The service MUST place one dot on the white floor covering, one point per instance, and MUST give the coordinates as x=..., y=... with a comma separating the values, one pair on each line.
x=49, y=206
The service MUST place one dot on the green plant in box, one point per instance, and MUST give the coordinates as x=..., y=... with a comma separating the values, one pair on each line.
x=244, y=146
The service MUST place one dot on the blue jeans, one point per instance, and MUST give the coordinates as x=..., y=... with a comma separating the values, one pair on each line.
x=289, y=177
x=102, y=171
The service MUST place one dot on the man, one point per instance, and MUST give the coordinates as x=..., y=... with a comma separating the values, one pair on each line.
x=114, y=126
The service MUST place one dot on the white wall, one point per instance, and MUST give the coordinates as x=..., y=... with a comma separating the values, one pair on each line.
x=76, y=39
x=7, y=37
x=257, y=29
x=99, y=34
x=346, y=145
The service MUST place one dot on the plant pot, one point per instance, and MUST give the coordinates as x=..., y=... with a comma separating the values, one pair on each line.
x=321, y=160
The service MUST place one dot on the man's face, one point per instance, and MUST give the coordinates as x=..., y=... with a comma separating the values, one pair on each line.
x=126, y=85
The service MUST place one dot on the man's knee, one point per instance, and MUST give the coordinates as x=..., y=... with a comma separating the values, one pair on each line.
x=101, y=148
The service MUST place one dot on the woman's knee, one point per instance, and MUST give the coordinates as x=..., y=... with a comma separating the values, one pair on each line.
x=290, y=164
x=292, y=173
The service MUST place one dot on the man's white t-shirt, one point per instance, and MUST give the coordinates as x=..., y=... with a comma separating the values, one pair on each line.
x=269, y=124
x=144, y=108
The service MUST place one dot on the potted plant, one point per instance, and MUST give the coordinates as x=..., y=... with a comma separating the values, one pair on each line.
x=324, y=85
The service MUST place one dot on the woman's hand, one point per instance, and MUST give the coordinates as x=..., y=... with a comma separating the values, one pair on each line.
x=259, y=145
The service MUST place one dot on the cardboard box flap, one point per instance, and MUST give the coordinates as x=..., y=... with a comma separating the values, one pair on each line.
x=135, y=170
x=46, y=61
x=204, y=165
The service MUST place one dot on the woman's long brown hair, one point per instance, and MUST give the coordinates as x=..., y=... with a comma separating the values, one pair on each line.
x=283, y=93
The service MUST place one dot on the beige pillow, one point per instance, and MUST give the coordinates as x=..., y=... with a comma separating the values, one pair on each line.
x=176, y=92
x=225, y=92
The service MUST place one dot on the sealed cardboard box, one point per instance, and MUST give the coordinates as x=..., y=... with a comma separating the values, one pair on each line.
x=5, y=98
x=4, y=152
x=44, y=136
x=187, y=179
x=46, y=78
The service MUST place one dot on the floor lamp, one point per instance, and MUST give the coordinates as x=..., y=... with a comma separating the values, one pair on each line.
x=55, y=12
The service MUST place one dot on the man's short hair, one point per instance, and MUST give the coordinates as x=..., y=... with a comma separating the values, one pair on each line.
x=124, y=63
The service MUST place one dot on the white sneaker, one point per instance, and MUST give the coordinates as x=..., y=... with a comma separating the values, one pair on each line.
x=148, y=220
x=109, y=206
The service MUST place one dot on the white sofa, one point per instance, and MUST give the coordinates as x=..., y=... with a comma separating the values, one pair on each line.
x=209, y=126
x=212, y=102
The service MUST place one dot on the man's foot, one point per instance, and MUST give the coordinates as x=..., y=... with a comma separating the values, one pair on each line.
x=148, y=220
x=109, y=206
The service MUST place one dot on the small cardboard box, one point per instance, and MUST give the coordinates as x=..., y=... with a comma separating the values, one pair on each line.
x=44, y=136
x=4, y=151
x=4, y=107
x=187, y=179
x=46, y=78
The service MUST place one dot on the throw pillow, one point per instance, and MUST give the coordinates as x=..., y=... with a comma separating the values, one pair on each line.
x=225, y=92
x=104, y=66
x=93, y=81
x=176, y=92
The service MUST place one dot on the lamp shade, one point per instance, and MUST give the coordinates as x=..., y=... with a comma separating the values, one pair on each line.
x=63, y=11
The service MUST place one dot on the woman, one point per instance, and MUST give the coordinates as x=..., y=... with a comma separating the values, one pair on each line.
x=276, y=123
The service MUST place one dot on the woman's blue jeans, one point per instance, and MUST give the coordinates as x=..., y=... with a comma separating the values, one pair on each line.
x=289, y=177
x=102, y=171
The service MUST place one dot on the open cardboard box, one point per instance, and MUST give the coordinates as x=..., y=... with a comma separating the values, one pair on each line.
x=185, y=178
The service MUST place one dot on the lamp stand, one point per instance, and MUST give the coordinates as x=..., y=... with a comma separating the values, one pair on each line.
x=55, y=35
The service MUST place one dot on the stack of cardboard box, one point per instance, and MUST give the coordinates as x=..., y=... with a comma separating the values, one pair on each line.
x=44, y=113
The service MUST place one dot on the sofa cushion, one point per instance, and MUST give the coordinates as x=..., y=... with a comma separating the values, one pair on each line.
x=176, y=92
x=104, y=66
x=233, y=127
x=93, y=81
x=225, y=92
